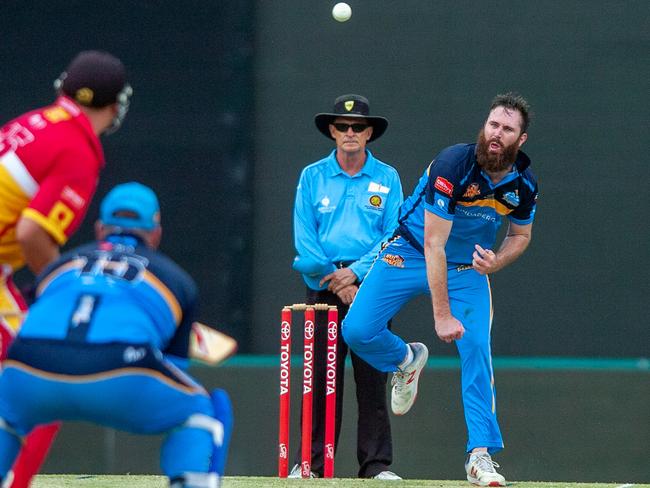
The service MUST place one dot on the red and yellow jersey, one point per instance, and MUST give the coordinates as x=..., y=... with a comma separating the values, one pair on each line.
x=50, y=161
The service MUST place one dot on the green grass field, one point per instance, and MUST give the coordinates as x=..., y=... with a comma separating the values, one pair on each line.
x=91, y=481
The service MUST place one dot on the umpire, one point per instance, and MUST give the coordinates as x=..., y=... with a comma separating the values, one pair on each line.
x=346, y=205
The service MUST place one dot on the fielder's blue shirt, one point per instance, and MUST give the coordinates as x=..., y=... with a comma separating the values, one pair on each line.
x=343, y=218
x=455, y=188
x=117, y=290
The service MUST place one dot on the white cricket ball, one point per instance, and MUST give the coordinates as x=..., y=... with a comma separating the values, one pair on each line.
x=341, y=12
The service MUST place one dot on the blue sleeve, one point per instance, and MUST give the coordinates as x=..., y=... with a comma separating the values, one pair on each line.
x=443, y=180
x=187, y=295
x=525, y=212
x=305, y=227
x=390, y=222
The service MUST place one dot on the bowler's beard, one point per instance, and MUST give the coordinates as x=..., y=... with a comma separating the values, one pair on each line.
x=495, y=162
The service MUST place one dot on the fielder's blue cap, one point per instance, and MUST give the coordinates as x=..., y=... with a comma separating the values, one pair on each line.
x=130, y=206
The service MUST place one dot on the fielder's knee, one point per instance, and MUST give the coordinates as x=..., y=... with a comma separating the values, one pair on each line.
x=205, y=422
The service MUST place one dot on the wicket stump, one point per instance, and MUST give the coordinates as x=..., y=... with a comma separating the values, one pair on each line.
x=307, y=388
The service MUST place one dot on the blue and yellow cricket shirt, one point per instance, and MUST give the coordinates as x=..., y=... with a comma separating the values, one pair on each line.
x=116, y=290
x=455, y=188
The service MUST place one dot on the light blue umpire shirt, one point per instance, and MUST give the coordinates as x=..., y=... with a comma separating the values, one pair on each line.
x=342, y=218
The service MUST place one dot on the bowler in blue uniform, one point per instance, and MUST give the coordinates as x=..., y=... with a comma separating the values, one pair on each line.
x=444, y=246
x=106, y=342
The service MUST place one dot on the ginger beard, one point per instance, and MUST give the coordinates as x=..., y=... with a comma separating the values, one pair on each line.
x=495, y=162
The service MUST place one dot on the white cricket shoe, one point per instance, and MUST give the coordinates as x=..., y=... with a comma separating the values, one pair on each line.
x=405, y=382
x=297, y=473
x=481, y=472
x=387, y=476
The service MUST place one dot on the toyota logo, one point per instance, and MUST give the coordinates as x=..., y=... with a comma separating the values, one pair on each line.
x=332, y=331
x=285, y=331
x=309, y=329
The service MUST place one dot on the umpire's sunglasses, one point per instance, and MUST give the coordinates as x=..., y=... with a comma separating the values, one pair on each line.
x=341, y=127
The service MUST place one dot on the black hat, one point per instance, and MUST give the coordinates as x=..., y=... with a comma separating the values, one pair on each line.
x=355, y=107
x=93, y=79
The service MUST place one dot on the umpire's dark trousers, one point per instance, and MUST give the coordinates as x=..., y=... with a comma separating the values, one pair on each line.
x=374, y=441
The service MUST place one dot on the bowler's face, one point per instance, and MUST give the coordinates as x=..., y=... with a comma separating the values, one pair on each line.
x=502, y=129
x=348, y=140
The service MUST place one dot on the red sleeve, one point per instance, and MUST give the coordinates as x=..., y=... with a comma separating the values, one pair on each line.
x=65, y=193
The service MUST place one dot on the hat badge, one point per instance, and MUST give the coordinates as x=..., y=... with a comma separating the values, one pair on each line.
x=349, y=105
x=84, y=96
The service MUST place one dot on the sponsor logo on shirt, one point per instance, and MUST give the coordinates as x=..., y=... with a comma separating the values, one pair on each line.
x=472, y=190
x=375, y=201
x=73, y=197
x=36, y=121
x=15, y=136
x=444, y=185
x=134, y=354
x=56, y=114
x=475, y=213
x=325, y=206
x=393, y=260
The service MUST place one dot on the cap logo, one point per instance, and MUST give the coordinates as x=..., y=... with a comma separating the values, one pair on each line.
x=349, y=105
x=84, y=96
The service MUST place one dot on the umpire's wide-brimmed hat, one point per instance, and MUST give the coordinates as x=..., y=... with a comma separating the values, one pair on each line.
x=355, y=107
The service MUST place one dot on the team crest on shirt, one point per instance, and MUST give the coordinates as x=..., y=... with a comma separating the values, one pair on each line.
x=393, y=260
x=472, y=190
x=512, y=198
x=375, y=201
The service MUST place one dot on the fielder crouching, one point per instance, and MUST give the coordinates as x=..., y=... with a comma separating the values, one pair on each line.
x=104, y=341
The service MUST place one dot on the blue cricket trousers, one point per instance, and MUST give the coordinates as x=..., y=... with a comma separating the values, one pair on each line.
x=130, y=388
x=397, y=275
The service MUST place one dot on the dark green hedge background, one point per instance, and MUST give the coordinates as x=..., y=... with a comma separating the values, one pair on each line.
x=221, y=125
